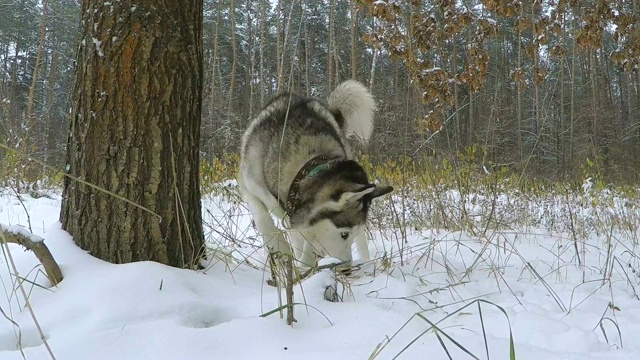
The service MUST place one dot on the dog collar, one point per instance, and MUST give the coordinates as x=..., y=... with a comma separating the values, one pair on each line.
x=309, y=169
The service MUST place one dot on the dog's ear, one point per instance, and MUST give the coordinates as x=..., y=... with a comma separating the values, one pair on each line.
x=350, y=197
x=353, y=196
x=380, y=191
x=368, y=192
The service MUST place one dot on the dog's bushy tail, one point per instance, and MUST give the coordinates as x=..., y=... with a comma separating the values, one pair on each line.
x=353, y=105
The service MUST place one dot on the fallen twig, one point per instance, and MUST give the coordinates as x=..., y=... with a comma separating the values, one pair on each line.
x=37, y=245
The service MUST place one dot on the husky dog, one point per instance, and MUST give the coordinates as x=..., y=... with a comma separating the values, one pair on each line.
x=297, y=165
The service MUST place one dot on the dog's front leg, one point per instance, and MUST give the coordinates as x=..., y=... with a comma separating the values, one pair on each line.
x=273, y=237
x=362, y=244
x=297, y=242
x=308, y=256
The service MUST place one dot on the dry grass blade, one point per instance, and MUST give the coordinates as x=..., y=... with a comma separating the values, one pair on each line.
x=283, y=307
x=15, y=326
x=626, y=275
x=553, y=294
x=573, y=294
x=438, y=331
x=512, y=348
x=601, y=325
x=32, y=282
x=27, y=302
x=444, y=346
x=484, y=332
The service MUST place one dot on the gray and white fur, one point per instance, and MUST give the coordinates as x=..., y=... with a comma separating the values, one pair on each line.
x=301, y=141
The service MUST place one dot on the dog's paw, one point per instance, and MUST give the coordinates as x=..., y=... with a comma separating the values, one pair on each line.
x=331, y=293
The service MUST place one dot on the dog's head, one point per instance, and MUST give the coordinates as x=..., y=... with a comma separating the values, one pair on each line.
x=335, y=208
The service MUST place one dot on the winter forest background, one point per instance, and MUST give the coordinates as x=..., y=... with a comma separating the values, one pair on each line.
x=543, y=88
x=510, y=131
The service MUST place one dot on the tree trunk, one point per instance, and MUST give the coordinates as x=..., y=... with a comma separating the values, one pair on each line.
x=4, y=93
x=38, y=64
x=572, y=100
x=330, y=49
x=456, y=97
x=263, y=43
x=14, y=102
x=519, y=90
x=353, y=7
x=214, y=120
x=595, y=129
x=251, y=69
x=135, y=131
x=373, y=67
x=49, y=140
x=307, y=57
x=535, y=107
x=560, y=148
x=279, y=46
x=234, y=60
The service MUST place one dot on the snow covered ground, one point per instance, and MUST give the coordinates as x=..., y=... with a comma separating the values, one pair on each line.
x=560, y=299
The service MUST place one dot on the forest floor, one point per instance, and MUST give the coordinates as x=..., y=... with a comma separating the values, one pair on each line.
x=557, y=292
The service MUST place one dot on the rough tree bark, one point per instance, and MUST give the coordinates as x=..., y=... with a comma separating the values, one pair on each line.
x=331, y=47
x=134, y=131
